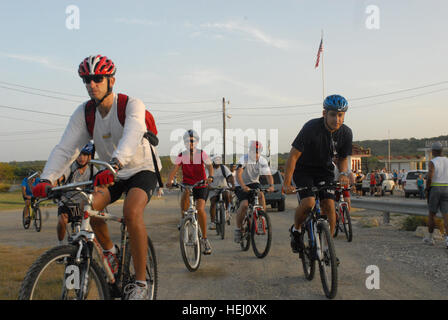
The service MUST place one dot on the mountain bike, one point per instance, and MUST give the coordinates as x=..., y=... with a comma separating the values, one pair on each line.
x=343, y=219
x=32, y=212
x=190, y=237
x=318, y=246
x=79, y=270
x=256, y=226
x=220, y=217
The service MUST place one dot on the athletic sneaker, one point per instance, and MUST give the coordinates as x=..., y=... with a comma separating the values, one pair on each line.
x=446, y=242
x=212, y=226
x=429, y=241
x=238, y=235
x=134, y=291
x=207, y=249
x=296, y=240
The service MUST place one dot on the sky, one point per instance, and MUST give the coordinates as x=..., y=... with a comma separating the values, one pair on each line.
x=181, y=58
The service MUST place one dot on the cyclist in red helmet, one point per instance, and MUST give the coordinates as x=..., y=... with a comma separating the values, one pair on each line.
x=249, y=168
x=125, y=148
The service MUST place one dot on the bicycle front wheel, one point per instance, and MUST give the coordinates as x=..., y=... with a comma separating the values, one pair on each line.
x=347, y=224
x=152, y=277
x=222, y=221
x=308, y=256
x=26, y=219
x=37, y=219
x=245, y=236
x=190, y=246
x=261, y=234
x=327, y=265
x=56, y=276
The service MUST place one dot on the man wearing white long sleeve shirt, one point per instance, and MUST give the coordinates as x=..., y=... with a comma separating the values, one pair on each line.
x=125, y=148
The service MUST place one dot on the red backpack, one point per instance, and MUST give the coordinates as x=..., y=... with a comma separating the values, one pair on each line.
x=90, y=109
x=151, y=133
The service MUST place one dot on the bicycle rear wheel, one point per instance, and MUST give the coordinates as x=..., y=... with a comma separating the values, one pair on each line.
x=56, y=276
x=327, y=266
x=190, y=246
x=26, y=220
x=245, y=237
x=37, y=219
x=347, y=222
x=308, y=255
x=152, y=277
x=261, y=234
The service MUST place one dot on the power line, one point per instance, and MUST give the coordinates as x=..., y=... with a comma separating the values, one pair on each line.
x=41, y=95
x=34, y=111
x=43, y=90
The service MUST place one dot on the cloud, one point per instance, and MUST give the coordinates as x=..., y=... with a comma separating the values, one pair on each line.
x=44, y=61
x=252, y=32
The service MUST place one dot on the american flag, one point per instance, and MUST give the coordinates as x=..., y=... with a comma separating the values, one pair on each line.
x=318, y=53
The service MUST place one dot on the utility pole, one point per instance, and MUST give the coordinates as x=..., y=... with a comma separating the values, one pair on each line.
x=224, y=130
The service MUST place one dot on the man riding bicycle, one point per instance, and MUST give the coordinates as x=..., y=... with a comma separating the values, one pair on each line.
x=27, y=193
x=221, y=179
x=126, y=149
x=193, y=162
x=249, y=168
x=310, y=162
x=79, y=171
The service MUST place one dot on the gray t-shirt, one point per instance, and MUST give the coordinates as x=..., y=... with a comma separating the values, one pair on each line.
x=253, y=169
x=78, y=177
x=218, y=179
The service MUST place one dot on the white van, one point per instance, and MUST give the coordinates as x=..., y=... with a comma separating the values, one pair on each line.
x=410, y=182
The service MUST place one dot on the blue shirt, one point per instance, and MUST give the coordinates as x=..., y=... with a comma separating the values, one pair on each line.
x=25, y=184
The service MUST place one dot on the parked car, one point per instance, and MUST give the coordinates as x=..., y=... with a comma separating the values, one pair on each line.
x=410, y=182
x=388, y=184
x=275, y=199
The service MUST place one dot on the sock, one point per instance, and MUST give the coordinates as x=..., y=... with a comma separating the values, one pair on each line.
x=113, y=250
x=140, y=283
x=294, y=229
x=60, y=242
x=430, y=235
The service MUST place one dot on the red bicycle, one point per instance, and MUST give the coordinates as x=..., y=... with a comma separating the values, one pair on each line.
x=343, y=220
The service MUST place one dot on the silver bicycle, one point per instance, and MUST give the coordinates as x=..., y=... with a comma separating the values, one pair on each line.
x=79, y=270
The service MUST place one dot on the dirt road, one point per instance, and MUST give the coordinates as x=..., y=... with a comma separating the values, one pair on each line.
x=229, y=273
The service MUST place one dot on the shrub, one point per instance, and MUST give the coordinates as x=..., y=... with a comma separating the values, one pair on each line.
x=412, y=222
x=4, y=187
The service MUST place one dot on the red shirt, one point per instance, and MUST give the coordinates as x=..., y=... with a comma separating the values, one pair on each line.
x=194, y=171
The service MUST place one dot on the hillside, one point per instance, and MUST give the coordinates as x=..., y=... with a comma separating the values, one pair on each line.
x=398, y=147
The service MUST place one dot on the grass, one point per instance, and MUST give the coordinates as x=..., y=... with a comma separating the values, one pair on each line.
x=14, y=264
x=412, y=222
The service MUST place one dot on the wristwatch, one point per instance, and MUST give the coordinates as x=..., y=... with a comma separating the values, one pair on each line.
x=115, y=163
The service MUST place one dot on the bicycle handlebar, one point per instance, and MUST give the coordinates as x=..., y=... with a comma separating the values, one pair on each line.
x=187, y=186
x=81, y=185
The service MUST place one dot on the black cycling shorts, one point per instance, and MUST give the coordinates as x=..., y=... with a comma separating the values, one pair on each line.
x=243, y=195
x=304, y=179
x=70, y=212
x=145, y=180
x=200, y=193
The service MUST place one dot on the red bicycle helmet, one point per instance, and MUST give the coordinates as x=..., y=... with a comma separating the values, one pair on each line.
x=256, y=145
x=96, y=65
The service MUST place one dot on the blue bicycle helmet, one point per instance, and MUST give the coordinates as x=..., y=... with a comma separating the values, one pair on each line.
x=89, y=149
x=336, y=102
x=191, y=134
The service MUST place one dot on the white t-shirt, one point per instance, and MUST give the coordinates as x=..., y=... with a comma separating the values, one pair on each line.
x=111, y=139
x=252, y=169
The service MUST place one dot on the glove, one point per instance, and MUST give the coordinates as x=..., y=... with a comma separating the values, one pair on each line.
x=41, y=189
x=104, y=177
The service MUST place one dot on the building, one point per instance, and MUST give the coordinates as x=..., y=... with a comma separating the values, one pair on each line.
x=403, y=162
x=358, y=152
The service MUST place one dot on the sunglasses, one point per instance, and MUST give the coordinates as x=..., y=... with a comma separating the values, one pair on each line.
x=95, y=78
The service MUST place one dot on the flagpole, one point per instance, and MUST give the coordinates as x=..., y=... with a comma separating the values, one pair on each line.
x=323, y=81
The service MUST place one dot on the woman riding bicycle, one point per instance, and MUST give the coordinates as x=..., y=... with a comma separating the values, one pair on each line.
x=193, y=162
